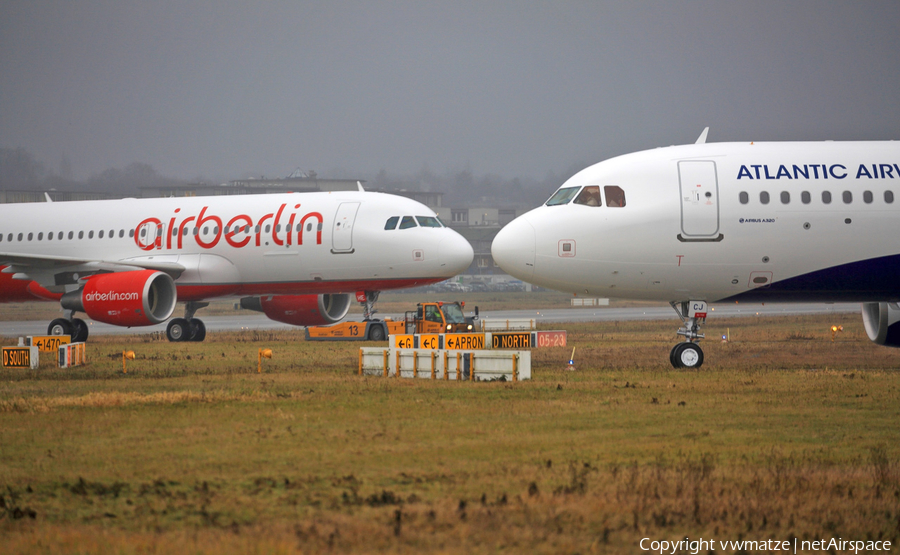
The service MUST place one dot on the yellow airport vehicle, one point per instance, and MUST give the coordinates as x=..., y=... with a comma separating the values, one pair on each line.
x=432, y=317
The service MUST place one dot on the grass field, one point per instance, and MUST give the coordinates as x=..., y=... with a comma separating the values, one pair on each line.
x=782, y=434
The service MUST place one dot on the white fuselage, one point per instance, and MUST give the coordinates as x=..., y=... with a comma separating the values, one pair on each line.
x=763, y=221
x=301, y=243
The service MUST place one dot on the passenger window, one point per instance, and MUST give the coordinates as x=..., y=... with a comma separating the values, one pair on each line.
x=390, y=224
x=196, y=231
x=589, y=196
x=764, y=197
x=40, y=236
x=60, y=236
x=91, y=234
x=562, y=196
x=50, y=236
x=268, y=228
x=130, y=233
x=889, y=197
x=206, y=230
x=112, y=233
x=100, y=234
x=81, y=235
x=407, y=222
x=9, y=237
x=805, y=197
x=309, y=226
x=71, y=234
x=826, y=197
x=20, y=237
x=615, y=196
x=785, y=197
x=122, y=233
x=867, y=197
x=848, y=197
x=744, y=197
x=428, y=221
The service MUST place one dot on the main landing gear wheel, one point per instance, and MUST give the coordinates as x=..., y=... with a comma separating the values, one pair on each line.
x=79, y=330
x=198, y=330
x=178, y=330
x=60, y=326
x=686, y=355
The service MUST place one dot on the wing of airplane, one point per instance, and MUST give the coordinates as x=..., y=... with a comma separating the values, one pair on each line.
x=55, y=272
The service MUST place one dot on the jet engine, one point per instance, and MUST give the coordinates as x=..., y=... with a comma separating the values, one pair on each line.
x=301, y=310
x=138, y=298
x=882, y=322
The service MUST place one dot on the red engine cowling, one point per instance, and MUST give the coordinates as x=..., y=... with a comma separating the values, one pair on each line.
x=301, y=310
x=138, y=298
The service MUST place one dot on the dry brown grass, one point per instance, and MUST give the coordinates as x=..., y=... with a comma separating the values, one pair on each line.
x=782, y=433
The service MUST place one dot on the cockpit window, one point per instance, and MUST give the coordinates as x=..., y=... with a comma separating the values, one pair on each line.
x=562, y=196
x=615, y=196
x=428, y=221
x=392, y=222
x=407, y=222
x=589, y=196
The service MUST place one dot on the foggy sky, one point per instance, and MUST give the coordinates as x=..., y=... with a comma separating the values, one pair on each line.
x=226, y=88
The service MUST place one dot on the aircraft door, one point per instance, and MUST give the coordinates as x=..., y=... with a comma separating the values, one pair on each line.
x=699, y=200
x=342, y=232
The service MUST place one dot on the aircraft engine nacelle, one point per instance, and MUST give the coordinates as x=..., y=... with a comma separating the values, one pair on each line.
x=882, y=323
x=138, y=298
x=301, y=310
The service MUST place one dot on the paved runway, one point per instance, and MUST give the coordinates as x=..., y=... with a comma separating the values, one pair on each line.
x=246, y=320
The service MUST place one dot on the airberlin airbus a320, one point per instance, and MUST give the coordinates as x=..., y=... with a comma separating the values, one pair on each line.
x=296, y=257
x=691, y=224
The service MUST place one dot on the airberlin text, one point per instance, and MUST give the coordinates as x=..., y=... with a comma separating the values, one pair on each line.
x=207, y=229
x=111, y=296
x=818, y=171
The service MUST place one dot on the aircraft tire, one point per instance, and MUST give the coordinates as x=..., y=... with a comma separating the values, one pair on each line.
x=376, y=332
x=673, y=358
x=178, y=330
x=688, y=355
x=60, y=326
x=79, y=330
x=198, y=330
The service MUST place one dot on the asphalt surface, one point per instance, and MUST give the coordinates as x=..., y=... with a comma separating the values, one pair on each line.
x=245, y=320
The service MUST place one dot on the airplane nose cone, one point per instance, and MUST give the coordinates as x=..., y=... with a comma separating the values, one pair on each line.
x=455, y=254
x=513, y=249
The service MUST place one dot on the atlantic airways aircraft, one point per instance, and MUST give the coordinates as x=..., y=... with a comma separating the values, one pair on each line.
x=296, y=257
x=723, y=222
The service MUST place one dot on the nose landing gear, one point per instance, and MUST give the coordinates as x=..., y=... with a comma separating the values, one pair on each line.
x=689, y=354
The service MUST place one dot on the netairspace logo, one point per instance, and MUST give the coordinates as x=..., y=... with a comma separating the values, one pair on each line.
x=694, y=547
x=111, y=296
